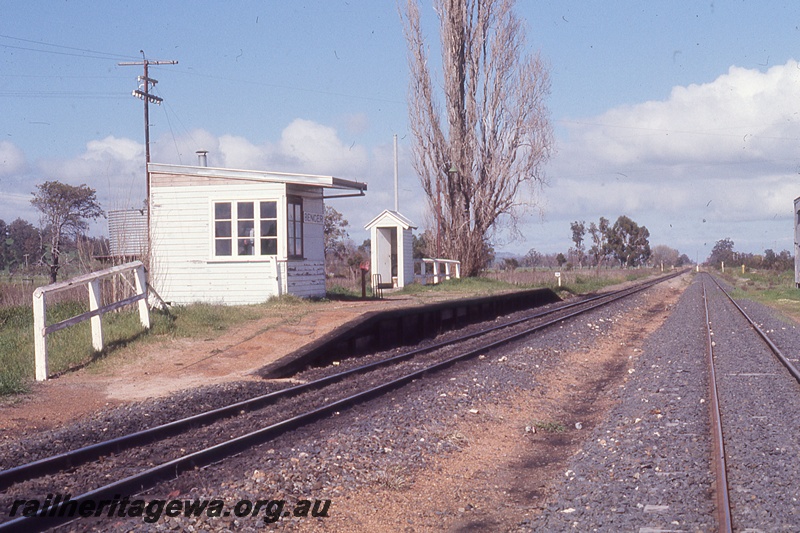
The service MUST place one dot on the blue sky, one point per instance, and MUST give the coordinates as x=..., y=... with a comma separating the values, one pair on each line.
x=681, y=115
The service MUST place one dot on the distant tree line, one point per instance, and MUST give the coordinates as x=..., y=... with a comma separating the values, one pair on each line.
x=25, y=249
x=724, y=252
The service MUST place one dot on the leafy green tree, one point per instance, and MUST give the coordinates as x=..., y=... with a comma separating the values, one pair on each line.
x=24, y=244
x=599, y=234
x=578, y=234
x=65, y=210
x=769, y=258
x=721, y=252
x=423, y=245
x=629, y=242
x=335, y=235
x=510, y=264
x=664, y=255
x=532, y=258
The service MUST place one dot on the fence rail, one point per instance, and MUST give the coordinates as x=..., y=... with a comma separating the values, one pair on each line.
x=96, y=310
x=452, y=269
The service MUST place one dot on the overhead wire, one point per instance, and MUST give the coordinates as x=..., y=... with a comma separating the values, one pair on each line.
x=96, y=54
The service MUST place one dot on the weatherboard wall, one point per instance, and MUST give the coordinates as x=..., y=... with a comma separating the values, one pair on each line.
x=183, y=267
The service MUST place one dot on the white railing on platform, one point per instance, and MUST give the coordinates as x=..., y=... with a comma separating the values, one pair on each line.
x=430, y=270
x=96, y=310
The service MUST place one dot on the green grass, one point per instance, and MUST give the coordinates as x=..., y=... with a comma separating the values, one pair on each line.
x=71, y=347
x=549, y=427
x=473, y=286
x=776, y=289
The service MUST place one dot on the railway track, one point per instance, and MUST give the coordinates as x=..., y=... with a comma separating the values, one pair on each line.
x=288, y=409
x=746, y=377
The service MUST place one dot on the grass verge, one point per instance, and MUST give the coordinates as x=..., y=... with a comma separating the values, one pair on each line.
x=775, y=289
x=71, y=348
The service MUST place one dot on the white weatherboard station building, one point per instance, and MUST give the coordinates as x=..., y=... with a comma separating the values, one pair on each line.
x=238, y=236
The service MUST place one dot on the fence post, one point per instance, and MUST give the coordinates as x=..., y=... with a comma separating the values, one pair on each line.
x=39, y=335
x=140, y=280
x=97, y=324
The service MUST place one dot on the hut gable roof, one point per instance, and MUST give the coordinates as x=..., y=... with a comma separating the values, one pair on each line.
x=390, y=218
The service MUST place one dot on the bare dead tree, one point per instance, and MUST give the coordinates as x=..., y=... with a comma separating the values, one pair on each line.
x=480, y=161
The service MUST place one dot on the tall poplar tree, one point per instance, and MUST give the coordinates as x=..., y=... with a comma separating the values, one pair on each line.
x=479, y=156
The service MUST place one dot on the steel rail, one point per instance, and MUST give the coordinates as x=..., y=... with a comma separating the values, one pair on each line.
x=76, y=457
x=723, y=499
x=775, y=350
x=169, y=470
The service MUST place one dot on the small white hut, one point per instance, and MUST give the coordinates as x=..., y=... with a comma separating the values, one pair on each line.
x=235, y=237
x=391, y=255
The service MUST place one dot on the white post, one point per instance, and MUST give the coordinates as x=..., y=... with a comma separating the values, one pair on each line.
x=140, y=280
x=39, y=335
x=435, y=271
x=97, y=324
x=447, y=271
x=396, y=196
x=278, y=285
x=458, y=270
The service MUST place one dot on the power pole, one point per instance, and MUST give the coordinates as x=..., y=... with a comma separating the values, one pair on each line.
x=143, y=93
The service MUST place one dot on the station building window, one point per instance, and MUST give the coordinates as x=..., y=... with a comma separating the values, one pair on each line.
x=245, y=229
x=294, y=215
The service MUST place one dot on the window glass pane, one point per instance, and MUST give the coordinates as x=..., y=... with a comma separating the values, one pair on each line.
x=222, y=211
x=244, y=210
x=222, y=247
x=246, y=228
x=269, y=209
x=245, y=246
x=222, y=229
x=269, y=246
x=269, y=228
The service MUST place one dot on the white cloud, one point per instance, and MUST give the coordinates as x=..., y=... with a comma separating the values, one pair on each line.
x=719, y=157
x=12, y=160
x=318, y=149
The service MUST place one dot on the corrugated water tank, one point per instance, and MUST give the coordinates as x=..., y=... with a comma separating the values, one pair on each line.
x=127, y=232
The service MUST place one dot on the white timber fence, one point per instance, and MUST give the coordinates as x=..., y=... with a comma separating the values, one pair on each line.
x=96, y=309
x=430, y=270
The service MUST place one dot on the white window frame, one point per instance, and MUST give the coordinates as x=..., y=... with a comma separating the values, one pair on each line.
x=256, y=237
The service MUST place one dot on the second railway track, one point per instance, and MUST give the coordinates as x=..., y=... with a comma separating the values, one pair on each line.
x=658, y=464
x=758, y=389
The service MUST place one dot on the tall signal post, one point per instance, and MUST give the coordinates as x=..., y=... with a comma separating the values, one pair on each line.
x=143, y=93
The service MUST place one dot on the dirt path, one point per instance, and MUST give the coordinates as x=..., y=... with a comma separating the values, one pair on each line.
x=155, y=369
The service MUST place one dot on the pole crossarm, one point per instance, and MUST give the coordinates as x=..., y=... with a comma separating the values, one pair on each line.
x=144, y=94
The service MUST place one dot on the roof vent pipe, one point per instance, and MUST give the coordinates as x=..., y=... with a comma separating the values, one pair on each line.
x=202, y=158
